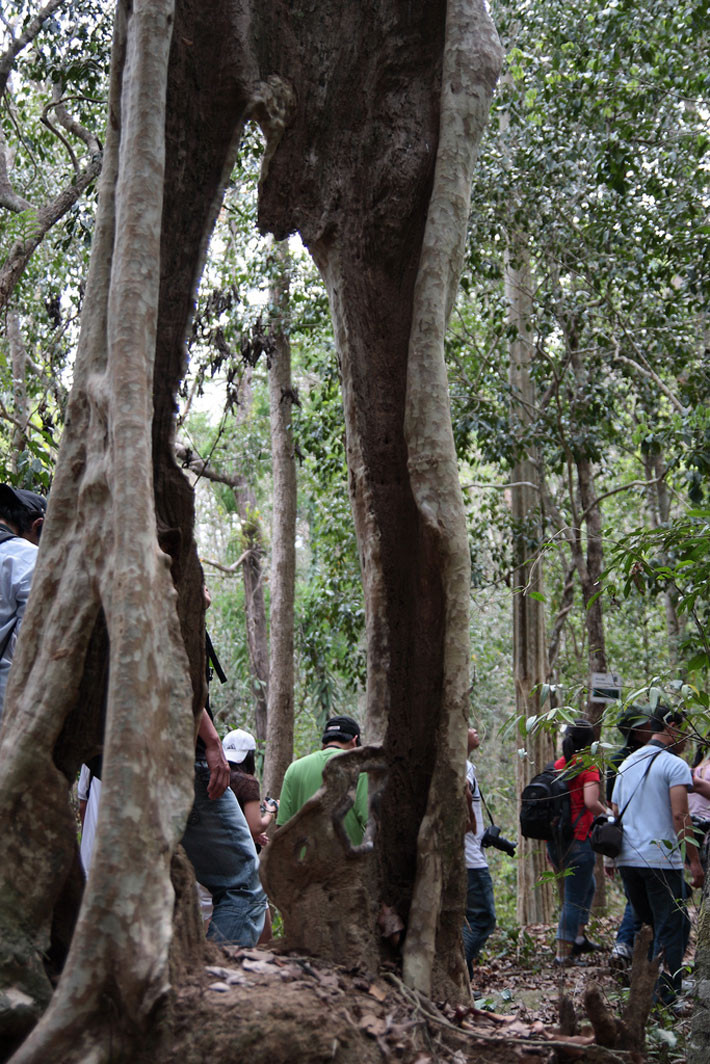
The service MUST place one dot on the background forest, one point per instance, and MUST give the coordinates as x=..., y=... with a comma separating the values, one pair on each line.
x=577, y=354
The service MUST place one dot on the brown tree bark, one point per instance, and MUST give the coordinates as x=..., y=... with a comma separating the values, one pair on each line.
x=279, y=723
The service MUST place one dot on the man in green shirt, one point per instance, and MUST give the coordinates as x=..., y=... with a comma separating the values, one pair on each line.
x=305, y=776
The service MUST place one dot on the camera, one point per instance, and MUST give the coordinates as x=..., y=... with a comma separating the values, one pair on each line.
x=492, y=837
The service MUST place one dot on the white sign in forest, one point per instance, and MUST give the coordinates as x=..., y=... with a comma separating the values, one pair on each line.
x=605, y=687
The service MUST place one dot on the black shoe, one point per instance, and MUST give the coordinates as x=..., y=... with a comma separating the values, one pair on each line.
x=585, y=947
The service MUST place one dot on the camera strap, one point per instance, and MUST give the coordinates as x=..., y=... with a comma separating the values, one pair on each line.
x=485, y=805
x=641, y=782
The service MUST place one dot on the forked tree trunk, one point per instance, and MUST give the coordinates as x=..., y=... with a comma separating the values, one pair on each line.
x=369, y=151
x=530, y=664
x=279, y=727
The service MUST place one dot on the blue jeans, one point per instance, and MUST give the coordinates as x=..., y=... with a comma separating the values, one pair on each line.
x=579, y=887
x=629, y=927
x=220, y=846
x=658, y=896
x=480, y=919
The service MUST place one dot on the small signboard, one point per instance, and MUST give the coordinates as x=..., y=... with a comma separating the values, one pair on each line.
x=605, y=687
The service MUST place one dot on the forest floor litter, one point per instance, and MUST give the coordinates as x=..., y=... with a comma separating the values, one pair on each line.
x=264, y=1006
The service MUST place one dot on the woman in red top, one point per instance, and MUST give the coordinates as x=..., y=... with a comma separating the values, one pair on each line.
x=579, y=858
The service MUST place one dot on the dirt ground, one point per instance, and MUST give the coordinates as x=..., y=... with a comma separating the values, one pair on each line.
x=267, y=1007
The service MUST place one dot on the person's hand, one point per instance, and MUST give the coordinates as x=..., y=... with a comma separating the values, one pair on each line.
x=219, y=770
x=697, y=876
x=262, y=840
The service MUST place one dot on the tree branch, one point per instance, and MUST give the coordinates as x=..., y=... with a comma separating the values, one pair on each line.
x=231, y=570
x=201, y=467
x=18, y=43
x=646, y=371
x=8, y=197
x=501, y=487
x=22, y=250
x=623, y=487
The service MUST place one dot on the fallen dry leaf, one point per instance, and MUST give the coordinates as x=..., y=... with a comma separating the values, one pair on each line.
x=377, y=991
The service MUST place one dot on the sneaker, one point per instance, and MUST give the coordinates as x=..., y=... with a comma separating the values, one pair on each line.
x=585, y=946
x=621, y=956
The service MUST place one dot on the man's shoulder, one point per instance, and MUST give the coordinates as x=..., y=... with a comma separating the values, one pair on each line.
x=634, y=757
x=20, y=548
x=316, y=758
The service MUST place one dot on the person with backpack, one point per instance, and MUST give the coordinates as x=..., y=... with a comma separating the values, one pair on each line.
x=570, y=851
x=21, y=519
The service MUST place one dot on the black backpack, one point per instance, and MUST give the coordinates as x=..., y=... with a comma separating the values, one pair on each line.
x=545, y=810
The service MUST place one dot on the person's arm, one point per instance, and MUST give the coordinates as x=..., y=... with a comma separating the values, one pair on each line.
x=700, y=785
x=683, y=826
x=214, y=754
x=591, y=798
x=257, y=823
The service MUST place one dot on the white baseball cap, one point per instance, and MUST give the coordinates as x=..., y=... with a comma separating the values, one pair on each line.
x=237, y=744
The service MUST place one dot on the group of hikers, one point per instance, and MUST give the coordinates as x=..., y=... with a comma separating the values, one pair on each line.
x=656, y=805
x=652, y=812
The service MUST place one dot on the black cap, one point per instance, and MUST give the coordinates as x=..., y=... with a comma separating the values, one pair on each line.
x=664, y=715
x=26, y=500
x=634, y=717
x=341, y=730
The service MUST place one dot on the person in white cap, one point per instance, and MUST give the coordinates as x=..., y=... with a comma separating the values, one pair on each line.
x=239, y=748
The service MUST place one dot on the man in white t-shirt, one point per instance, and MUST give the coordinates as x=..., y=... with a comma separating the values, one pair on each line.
x=480, y=919
x=658, y=835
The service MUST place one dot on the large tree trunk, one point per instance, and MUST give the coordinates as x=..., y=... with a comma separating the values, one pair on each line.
x=362, y=212
x=530, y=664
x=100, y=554
x=359, y=103
x=279, y=726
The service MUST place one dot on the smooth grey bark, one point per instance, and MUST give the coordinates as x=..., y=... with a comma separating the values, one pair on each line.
x=253, y=552
x=530, y=663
